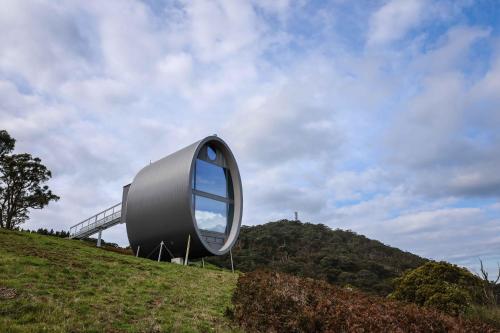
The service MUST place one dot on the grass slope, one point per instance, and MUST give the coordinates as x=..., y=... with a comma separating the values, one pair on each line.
x=57, y=285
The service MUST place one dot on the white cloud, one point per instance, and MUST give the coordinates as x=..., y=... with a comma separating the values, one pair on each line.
x=210, y=221
x=291, y=118
x=38, y=35
x=278, y=6
x=30, y=115
x=220, y=29
x=373, y=137
x=440, y=134
x=352, y=185
x=394, y=19
x=452, y=234
x=176, y=67
x=451, y=50
x=429, y=221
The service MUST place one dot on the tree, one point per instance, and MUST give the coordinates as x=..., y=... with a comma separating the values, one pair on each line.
x=6, y=143
x=491, y=289
x=22, y=179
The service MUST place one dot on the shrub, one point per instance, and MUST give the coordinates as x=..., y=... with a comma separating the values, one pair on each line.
x=440, y=285
x=277, y=302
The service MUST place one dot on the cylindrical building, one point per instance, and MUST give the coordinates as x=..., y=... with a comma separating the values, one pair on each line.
x=195, y=192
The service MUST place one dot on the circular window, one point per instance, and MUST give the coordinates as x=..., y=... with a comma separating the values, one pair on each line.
x=212, y=155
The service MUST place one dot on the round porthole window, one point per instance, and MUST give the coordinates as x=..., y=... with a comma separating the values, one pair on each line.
x=212, y=155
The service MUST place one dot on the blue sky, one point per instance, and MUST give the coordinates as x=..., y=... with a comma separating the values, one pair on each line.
x=380, y=116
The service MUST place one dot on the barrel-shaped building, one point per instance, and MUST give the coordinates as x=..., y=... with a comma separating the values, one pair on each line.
x=193, y=194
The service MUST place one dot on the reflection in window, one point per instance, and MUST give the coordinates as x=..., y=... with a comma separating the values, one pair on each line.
x=210, y=214
x=210, y=178
x=212, y=197
x=212, y=155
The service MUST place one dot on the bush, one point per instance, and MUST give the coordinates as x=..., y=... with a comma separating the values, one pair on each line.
x=440, y=285
x=277, y=302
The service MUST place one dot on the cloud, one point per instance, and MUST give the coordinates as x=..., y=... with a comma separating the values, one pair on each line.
x=450, y=52
x=352, y=185
x=382, y=119
x=440, y=135
x=284, y=126
x=38, y=35
x=176, y=67
x=394, y=19
x=442, y=233
x=429, y=222
x=208, y=220
x=220, y=29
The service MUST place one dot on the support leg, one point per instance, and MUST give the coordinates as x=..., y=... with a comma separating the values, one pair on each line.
x=138, y=248
x=99, y=238
x=232, y=265
x=187, y=250
x=159, y=254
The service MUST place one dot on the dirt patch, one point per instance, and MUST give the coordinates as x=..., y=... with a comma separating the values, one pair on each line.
x=7, y=293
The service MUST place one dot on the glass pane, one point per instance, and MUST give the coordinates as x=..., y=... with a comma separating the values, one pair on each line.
x=210, y=178
x=212, y=155
x=210, y=214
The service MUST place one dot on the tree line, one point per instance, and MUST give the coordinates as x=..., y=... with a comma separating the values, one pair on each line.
x=46, y=232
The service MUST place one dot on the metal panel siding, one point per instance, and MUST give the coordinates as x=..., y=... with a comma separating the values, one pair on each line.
x=126, y=188
x=158, y=205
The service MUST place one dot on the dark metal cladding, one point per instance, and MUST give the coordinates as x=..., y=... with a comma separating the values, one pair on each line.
x=159, y=205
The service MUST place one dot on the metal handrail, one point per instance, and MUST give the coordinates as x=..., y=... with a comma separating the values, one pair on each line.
x=96, y=220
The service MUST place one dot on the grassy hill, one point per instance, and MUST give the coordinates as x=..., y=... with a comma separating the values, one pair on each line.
x=49, y=284
x=314, y=250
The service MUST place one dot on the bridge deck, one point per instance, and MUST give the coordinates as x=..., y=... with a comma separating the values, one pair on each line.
x=97, y=222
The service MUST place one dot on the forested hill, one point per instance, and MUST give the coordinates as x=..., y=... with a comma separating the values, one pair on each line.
x=314, y=250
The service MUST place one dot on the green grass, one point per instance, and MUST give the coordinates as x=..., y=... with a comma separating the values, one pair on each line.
x=65, y=285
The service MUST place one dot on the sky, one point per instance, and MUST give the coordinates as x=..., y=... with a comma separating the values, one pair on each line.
x=381, y=117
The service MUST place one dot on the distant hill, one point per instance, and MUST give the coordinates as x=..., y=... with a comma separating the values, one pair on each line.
x=314, y=250
x=49, y=284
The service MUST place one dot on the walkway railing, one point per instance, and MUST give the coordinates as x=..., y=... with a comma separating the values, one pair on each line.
x=96, y=223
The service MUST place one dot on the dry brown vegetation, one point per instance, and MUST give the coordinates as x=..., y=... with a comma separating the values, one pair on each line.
x=275, y=302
